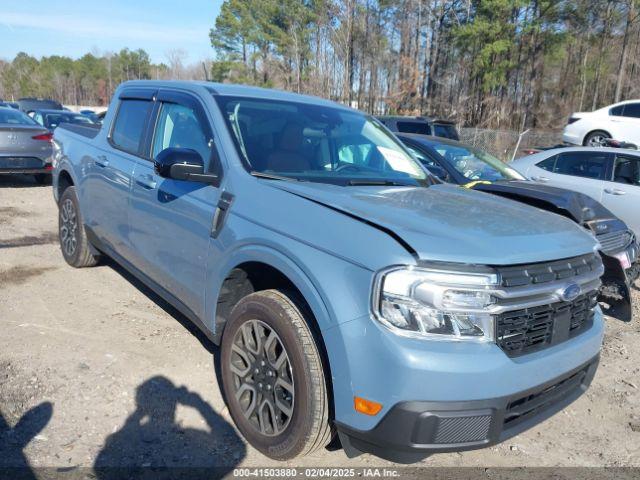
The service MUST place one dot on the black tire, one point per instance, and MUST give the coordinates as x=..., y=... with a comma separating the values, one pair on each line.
x=74, y=244
x=42, y=178
x=307, y=428
x=595, y=138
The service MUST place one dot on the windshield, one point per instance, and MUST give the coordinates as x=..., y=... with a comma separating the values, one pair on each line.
x=317, y=144
x=475, y=164
x=10, y=116
x=52, y=120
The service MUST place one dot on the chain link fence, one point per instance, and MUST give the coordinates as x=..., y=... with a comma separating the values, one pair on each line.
x=503, y=143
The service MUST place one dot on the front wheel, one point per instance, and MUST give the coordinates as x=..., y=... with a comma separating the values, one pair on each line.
x=74, y=243
x=273, y=377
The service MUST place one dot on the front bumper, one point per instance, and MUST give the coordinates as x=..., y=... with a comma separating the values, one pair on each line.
x=410, y=431
x=622, y=270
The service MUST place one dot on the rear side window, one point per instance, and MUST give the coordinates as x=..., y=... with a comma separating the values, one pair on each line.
x=583, y=164
x=617, y=111
x=445, y=131
x=414, y=127
x=549, y=164
x=130, y=124
x=632, y=110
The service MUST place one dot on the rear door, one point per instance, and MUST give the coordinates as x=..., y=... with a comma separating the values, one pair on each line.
x=583, y=172
x=108, y=173
x=628, y=124
x=622, y=193
x=171, y=220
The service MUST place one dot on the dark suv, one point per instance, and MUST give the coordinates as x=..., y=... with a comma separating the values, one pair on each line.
x=421, y=126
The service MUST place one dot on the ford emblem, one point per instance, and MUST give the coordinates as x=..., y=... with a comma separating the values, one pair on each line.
x=570, y=292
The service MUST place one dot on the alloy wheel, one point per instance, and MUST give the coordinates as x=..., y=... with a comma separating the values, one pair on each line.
x=68, y=227
x=262, y=378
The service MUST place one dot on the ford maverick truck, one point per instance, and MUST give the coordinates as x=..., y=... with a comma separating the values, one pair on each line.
x=351, y=294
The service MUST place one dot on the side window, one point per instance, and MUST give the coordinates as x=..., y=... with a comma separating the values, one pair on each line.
x=179, y=127
x=582, y=164
x=549, y=164
x=617, y=111
x=38, y=118
x=627, y=170
x=129, y=125
x=632, y=110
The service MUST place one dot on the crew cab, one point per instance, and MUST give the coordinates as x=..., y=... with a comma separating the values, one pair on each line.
x=461, y=164
x=349, y=291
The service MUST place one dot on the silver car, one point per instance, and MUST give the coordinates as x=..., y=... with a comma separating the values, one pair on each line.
x=25, y=146
x=610, y=175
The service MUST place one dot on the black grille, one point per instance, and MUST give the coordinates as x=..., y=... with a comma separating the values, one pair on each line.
x=537, y=273
x=463, y=429
x=532, y=329
x=530, y=405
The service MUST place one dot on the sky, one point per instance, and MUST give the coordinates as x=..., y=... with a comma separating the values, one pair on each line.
x=75, y=27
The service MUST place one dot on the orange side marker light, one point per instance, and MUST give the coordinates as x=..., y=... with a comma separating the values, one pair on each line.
x=367, y=407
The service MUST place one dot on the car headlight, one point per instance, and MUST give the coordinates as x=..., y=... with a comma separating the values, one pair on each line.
x=436, y=304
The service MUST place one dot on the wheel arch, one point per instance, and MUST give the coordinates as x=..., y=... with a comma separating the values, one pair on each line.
x=64, y=181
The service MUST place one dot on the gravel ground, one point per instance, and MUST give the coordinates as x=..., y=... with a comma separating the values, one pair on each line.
x=96, y=371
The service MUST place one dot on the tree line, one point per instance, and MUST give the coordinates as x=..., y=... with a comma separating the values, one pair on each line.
x=490, y=63
x=91, y=79
x=509, y=64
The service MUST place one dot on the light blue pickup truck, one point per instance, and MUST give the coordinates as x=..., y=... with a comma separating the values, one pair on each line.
x=351, y=293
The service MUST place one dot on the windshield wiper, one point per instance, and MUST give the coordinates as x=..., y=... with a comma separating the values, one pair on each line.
x=382, y=183
x=270, y=176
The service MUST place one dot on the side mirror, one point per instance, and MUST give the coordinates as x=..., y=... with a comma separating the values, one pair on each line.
x=182, y=164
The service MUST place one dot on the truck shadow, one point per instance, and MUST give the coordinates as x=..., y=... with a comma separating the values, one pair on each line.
x=152, y=444
x=13, y=462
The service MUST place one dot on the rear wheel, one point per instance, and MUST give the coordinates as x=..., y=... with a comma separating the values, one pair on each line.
x=74, y=244
x=273, y=378
x=596, y=139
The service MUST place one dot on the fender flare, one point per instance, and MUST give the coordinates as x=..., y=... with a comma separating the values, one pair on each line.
x=275, y=259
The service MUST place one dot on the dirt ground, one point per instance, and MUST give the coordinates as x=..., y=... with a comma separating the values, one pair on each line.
x=97, y=371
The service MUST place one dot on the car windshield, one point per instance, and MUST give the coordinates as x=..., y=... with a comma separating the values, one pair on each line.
x=52, y=120
x=9, y=116
x=475, y=164
x=445, y=130
x=317, y=144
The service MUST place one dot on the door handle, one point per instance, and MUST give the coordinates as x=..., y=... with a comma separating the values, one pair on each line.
x=540, y=179
x=102, y=161
x=146, y=181
x=614, y=191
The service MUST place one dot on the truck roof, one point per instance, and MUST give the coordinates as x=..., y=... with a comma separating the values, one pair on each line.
x=225, y=89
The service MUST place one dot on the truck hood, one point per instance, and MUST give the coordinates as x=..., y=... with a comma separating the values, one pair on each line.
x=450, y=224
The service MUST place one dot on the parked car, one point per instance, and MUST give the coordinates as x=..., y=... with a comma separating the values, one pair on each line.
x=457, y=163
x=25, y=147
x=609, y=175
x=347, y=289
x=620, y=121
x=51, y=119
x=28, y=105
x=421, y=125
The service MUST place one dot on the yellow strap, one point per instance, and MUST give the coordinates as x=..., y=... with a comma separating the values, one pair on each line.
x=476, y=182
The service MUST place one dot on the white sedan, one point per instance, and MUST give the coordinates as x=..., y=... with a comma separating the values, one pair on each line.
x=620, y=121
x=609, y=175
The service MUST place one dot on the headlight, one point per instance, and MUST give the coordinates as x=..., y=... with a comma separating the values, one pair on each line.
x=436, y=304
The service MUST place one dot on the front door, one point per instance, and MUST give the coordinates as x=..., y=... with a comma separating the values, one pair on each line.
x=170, y=220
